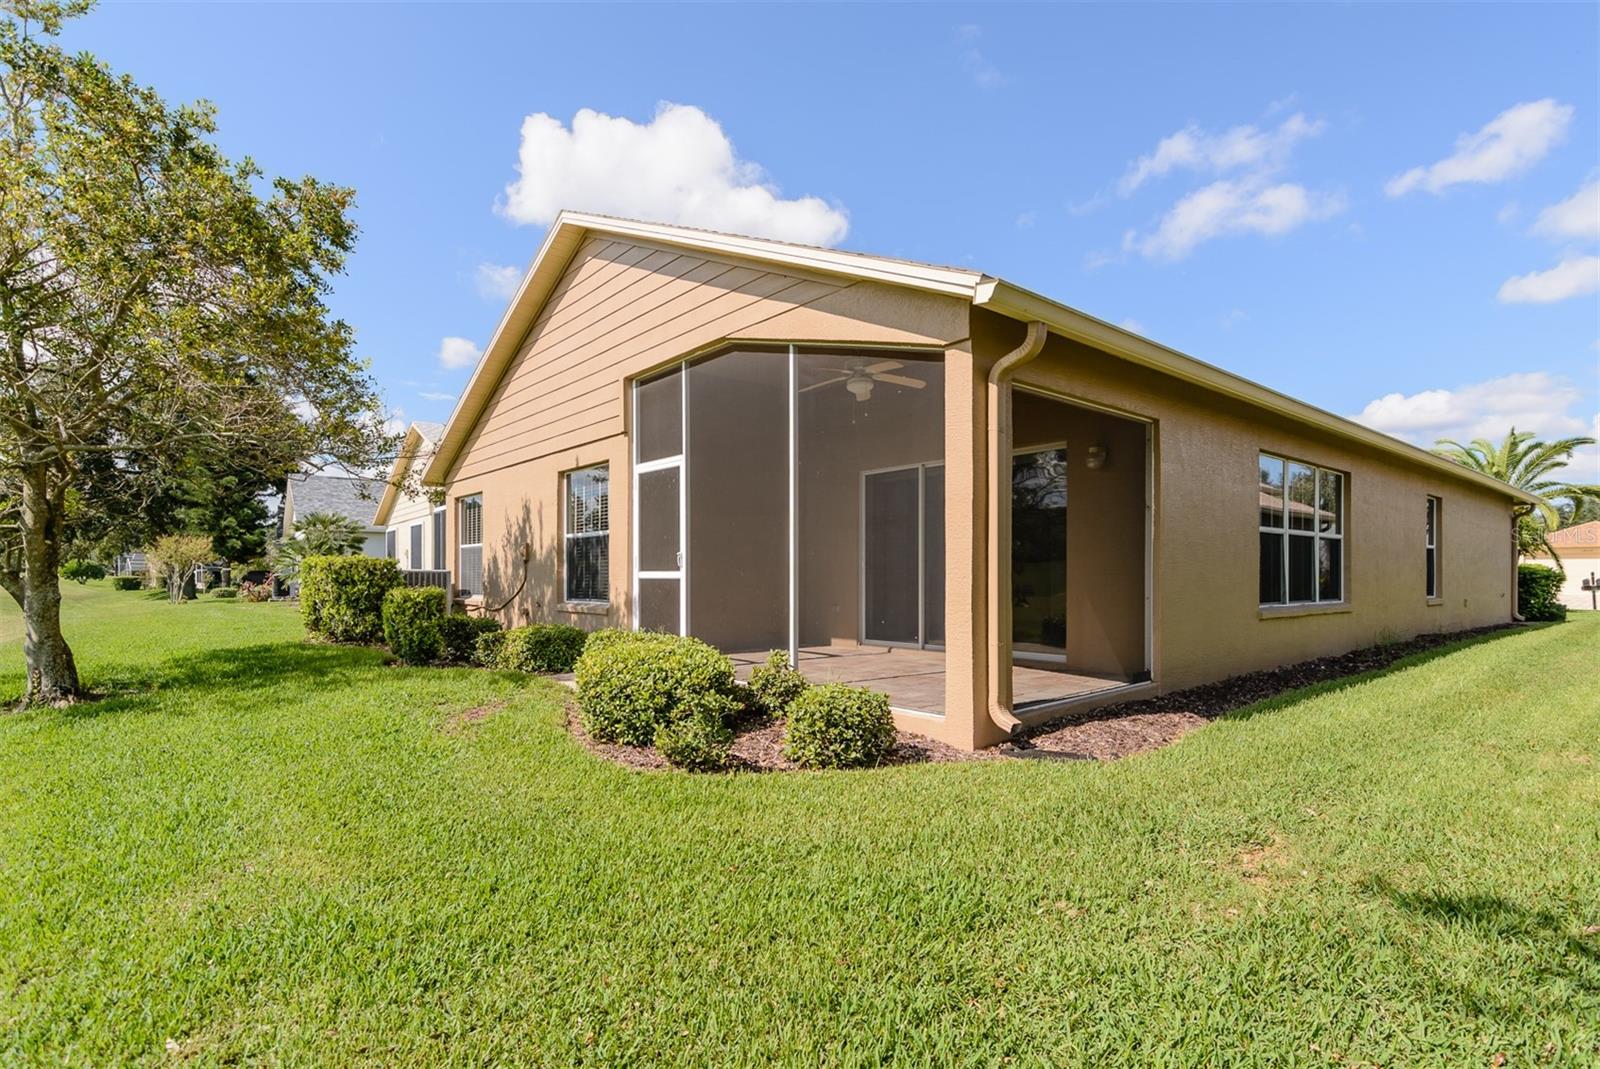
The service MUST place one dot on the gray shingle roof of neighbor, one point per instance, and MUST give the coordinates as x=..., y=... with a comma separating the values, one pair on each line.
x=431, y=432
x=343, y=495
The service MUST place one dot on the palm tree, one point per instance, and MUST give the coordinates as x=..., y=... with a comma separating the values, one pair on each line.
x=318, y=534
x=1527, y=464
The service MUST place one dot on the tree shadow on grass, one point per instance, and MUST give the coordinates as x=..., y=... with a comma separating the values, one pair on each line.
x=1557, y=950
x=227, y=670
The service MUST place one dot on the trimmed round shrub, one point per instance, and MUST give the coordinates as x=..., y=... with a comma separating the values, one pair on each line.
x=630, y=683
x=411, y=623
x=486, y=650
x=776, y=684
x=225, y=592
x=541, y=648
x=1538, y=592
x=460, y=634
x=341, y=598
x=701, y=740
x=839, y=726
x=126, y=582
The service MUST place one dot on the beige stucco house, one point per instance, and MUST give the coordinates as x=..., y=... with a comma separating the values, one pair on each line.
x=1579, y=546
x=412, y=521
x=929, y=481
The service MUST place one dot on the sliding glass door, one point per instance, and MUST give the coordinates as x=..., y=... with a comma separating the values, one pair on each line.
x=902, y=556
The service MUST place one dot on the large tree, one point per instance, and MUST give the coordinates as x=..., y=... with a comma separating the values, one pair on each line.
x=158, y=302
x=1537, y=467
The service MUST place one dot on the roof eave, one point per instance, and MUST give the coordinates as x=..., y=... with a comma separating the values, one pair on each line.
x=1001, y=296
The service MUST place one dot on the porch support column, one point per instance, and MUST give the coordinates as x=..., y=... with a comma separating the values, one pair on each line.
x=965, y=427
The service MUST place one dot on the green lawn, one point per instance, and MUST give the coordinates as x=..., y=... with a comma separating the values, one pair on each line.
x=267, y=851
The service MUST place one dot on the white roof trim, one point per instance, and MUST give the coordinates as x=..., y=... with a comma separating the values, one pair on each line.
x=570, y=229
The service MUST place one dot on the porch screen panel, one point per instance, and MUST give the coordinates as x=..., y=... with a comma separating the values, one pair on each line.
x=658, y=520
x=737, y=443
x=869, y=428
x=658, y=414
x=658, y=605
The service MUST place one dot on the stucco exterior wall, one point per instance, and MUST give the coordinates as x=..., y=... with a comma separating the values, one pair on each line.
x=1207, y=621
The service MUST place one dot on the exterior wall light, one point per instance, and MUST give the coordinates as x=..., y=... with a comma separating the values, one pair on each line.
x=1095, y=457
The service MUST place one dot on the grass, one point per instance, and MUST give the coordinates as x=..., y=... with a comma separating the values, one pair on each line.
x=257, y=849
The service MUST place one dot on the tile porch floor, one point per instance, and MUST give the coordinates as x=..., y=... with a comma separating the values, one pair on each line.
x=914, y=679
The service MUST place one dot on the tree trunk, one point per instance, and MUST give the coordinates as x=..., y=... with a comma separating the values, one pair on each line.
x=52, y=673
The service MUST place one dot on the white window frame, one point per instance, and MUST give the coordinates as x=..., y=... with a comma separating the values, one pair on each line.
x=1316, y=536
x=1431, y=546
x=414, y=540
x=568, y=535
x=391, y=544
x=463, y=545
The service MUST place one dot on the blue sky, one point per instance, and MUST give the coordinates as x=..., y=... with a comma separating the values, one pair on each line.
x=1388, y=211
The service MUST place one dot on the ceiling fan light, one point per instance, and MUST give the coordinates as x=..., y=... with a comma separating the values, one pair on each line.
x=860, y=387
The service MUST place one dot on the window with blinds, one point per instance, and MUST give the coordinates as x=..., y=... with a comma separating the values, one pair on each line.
x=470, y=580
x=586, y=532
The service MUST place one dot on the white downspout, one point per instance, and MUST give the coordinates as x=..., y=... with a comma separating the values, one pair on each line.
x=998, y=395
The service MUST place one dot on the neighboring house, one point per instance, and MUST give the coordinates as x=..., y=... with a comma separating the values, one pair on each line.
x=924, y=479
x=413, y=525
x=131, y=564
x=343, y=495
x=1579, y=547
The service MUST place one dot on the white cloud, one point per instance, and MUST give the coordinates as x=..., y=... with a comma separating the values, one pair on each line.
x=985, y=75
x=1217, y=153
x=1133, y=326
x=1233, y=206
x=1509, y=144
x=1530, y=401
x=1573, y=277
x=497, y=280
x=677, y=168
x=435, y=395
x=1576, y=217
x=458, y=352
x=1026, y=220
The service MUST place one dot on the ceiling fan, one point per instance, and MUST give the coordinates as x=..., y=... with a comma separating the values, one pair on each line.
x=859, y=377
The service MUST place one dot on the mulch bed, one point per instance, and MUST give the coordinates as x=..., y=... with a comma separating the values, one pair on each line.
x=758, y=747
x=1103, y=734
x=1114, y=731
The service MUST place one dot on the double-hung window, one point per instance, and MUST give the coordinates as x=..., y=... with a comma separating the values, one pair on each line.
x=438, y=540
x=388, y=544
x=1302, y=532
x=586, y=532
x=1432, y=547
x=470, y=581
x=414, y=557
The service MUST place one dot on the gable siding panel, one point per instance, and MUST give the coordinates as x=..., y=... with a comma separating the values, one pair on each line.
x=619, y=355
x=564, y=388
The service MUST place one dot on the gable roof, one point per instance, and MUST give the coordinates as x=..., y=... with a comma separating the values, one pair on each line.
x=343, y=495
x=570, y=229
x=422, y=436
